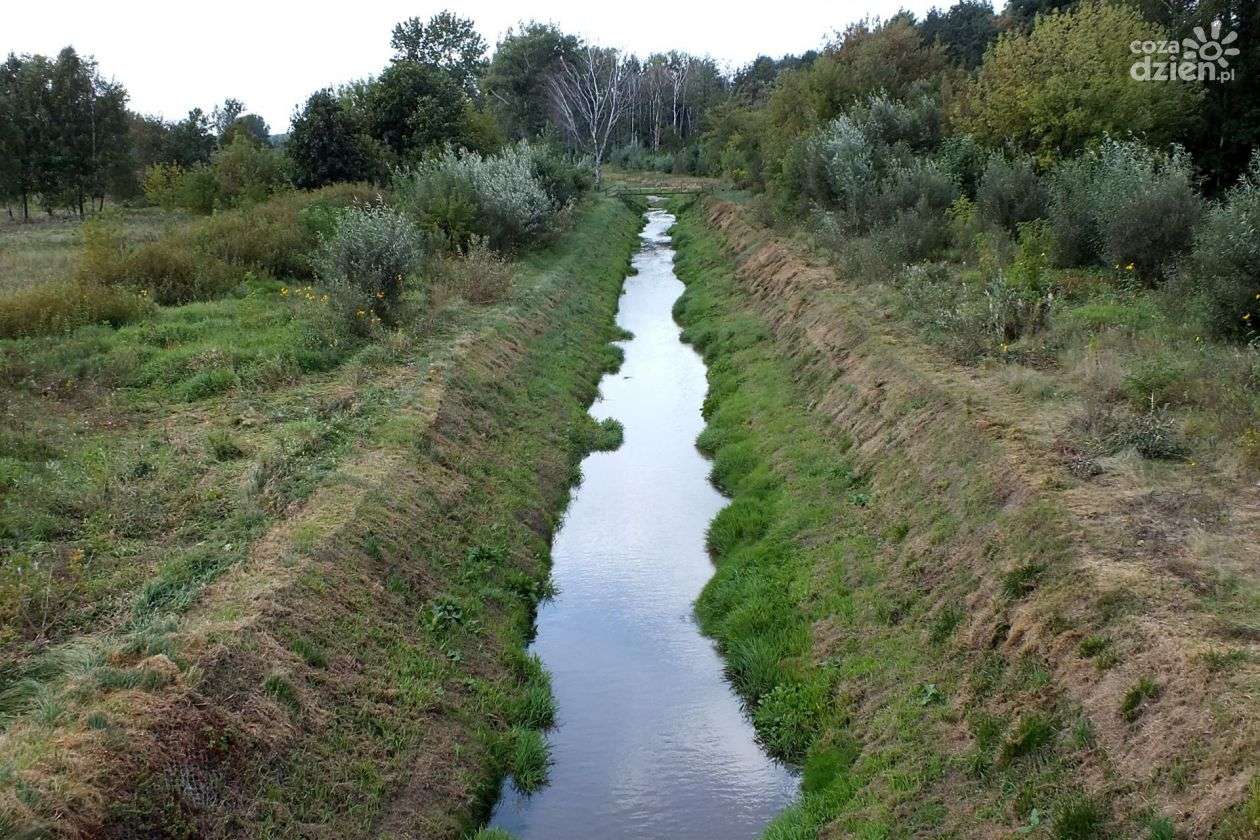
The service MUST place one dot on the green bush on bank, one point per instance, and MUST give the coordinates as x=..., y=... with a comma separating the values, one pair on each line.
x=509, y=198
x=1223, y=269
x=371, y=254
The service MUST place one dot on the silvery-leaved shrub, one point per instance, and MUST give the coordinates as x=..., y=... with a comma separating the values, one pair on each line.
x=1010, y=193
x=463, y=195
x=1145, y=206
x=849, y=159
x=1223, y=269
x=367, y=260
x=1073, y=223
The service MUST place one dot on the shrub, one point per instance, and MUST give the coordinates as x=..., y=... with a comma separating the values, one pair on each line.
x=1145, y=206
x=497, y=197
x=561, y=177
x=481, y=276
x=914, y=200
x=1071, y=212
x=247, y=172
x=160, y=184
x=963, y=160
x=197, y=190
x=1010, y=193
x=1223, y=269
x=368, y=259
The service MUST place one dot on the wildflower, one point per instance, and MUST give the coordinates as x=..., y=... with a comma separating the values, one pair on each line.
x=360, y=313
x=1129, y=267
x=285, y=290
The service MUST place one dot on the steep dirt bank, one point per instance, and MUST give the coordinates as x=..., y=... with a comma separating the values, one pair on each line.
x=1003, y=644
x=360, y=672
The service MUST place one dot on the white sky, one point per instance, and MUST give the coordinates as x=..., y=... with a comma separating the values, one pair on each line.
x=172, y=56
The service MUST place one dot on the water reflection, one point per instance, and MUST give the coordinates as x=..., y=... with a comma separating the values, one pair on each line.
x=650, y=740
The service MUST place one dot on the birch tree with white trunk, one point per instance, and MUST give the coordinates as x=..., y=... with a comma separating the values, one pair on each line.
x=590, y=94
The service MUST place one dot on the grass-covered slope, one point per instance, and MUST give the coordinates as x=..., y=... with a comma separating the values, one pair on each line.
x=953, y=633
x=298, y=597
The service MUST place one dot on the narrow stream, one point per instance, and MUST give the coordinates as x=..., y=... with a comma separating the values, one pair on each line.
x=650, y=740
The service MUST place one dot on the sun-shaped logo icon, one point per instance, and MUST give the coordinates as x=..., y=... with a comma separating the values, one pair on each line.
x=1204, y=49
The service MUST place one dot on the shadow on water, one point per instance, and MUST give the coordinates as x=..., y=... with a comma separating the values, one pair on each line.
x=650, y=739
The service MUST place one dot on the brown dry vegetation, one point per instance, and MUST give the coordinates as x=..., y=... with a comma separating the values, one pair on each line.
x=1127, y=590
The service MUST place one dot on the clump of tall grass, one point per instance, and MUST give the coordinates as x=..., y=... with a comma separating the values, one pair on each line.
x=528, y=758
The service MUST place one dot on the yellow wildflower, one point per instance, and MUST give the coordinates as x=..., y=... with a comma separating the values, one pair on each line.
x=1129, y=267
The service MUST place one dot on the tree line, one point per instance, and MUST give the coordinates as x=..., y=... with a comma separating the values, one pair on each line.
x=68, y=140
x=67, y=137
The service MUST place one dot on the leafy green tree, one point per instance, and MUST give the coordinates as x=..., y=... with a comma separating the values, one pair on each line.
x=515, y=83
x=413, y=108
x=246, y=171
x=190, y=141
x=1066, y=84
x=25, y=128
x=225, y=115
x=1227, y=130
x=965, y=30
x=752, y=82
x=1022, y=13
x=446, y=42
x=251, y=126
x=326, y=144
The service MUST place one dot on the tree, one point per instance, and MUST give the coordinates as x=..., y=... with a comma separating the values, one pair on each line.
x=1066, y=84
x=516, y=81
x=413, y=108
x=251, y=126
x=88, y=139
x=1227, y=130
x=190, y=141
x=25, y=127
x=589, y=97
x=965, y=31
x=326, y=145
x=447, y=42
x=1023, y=13
x=225, y=115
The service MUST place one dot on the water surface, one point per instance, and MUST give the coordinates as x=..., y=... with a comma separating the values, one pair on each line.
x=650, y=739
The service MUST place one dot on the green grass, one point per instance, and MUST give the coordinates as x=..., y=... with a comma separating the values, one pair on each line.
x=146, y=460
x=830, y=609
x=47, y=250
x=529, y=759
x=1135, y=701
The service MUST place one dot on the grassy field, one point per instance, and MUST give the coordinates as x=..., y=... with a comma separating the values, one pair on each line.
x=955, y=630
x=255, y=580
x=48, y=250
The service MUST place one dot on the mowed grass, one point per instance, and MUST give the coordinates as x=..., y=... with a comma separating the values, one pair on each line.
x=140, y=465
x=48, y=250
x=838, y=626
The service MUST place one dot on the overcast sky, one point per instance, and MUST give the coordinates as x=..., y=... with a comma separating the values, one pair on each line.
x=173, y=56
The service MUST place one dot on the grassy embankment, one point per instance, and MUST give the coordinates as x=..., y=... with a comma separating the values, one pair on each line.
x=254, y=584
x=924, y=600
